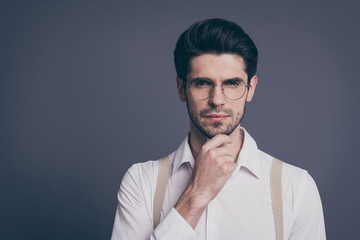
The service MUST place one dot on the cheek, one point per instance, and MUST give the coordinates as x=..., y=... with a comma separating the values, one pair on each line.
x=240, y=106
x=195, y=106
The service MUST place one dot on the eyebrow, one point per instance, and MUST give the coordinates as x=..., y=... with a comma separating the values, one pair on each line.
x=208, y=79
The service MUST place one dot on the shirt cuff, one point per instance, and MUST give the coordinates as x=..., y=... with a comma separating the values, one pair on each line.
x=174, y=227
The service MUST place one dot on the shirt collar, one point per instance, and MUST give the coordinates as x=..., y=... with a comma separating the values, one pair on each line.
x=183, y=155
x=248, y=157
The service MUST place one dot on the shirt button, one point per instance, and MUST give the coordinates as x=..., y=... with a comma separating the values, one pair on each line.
x=212, y=226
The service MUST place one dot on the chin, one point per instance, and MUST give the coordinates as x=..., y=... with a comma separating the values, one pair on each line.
x=210, y=133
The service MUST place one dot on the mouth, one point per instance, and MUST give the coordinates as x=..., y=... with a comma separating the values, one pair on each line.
x=216, y=117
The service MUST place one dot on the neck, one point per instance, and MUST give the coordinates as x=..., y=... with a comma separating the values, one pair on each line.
x=197, y=140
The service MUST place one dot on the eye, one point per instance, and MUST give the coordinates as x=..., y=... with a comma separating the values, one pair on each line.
x=232, y=83
x=202, y=83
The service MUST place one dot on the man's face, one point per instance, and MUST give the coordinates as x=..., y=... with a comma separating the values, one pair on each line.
x=217, y=114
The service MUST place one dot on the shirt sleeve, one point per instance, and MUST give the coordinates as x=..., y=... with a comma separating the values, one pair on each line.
x=309, y=223
x=133, y=218
x=174, y=227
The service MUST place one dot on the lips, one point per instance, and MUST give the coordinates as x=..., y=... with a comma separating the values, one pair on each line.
x=216, y=117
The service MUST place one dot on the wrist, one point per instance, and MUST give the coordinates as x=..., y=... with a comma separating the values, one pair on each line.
x=191, y=205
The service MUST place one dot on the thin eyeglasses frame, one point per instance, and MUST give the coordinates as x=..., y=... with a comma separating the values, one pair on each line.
x=213, y=87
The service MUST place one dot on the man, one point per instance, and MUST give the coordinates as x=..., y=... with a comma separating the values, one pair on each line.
x=219, y=181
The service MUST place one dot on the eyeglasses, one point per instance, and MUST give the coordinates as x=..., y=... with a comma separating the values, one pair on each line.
x=202, y=88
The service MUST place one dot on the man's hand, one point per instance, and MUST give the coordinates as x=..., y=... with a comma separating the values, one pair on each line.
x=213, y=167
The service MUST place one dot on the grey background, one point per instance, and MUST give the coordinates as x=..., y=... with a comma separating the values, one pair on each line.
x=88, y=88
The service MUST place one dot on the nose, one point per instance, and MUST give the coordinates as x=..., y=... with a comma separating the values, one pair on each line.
x=217, y=97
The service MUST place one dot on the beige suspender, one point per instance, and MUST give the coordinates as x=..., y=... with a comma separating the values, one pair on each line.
x=275, y=188
x=161, y=183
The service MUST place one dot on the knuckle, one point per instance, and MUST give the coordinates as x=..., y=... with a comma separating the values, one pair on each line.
x=204, y=148
x=212, y=152
x=218, y=161
x=224, y=168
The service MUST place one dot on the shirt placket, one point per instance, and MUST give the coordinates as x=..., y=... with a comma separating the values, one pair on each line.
x=211, y=223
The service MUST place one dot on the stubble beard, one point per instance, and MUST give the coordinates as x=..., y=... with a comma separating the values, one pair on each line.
x=215, y=128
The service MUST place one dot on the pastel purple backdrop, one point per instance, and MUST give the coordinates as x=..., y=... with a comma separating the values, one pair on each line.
x=88, y=88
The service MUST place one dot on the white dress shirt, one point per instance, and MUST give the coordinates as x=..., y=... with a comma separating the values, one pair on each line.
x=241, y=210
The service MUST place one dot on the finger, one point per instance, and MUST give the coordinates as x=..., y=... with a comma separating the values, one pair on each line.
x=229, y=166
x=228, y=159
x=217, y=141
x=225, y=164
x=219, y=152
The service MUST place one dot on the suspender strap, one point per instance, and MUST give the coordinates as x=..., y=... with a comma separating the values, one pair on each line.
x=161, y=184
x=276, y=196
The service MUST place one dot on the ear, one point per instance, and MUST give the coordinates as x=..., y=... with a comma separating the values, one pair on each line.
x=252, y=86
x=181, y=89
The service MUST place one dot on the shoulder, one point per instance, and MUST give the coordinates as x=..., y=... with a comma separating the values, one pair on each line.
x=291, y=174
x=142, y=173
x=299, y=188
x=138, y=183
x=295, y=180
x=144, y=168
x=294, y=175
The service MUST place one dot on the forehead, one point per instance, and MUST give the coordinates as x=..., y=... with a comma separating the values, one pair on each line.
x=217, y=67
